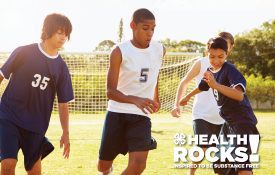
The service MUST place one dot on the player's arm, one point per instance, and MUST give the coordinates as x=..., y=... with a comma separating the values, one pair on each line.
x=1, y=78
x=235, y=93
x=183, y=101
x=63, y=110
x=192, y=73
x=116, y=95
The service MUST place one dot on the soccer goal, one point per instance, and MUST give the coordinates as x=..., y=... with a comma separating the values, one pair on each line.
x=88, y=71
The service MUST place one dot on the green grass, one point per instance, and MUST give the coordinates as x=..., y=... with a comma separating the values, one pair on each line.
x=85, y=132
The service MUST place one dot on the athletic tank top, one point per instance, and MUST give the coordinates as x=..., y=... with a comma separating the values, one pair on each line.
x=205, y=106
x=138, y=75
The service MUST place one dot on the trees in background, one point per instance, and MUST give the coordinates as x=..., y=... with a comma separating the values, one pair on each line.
x=254, y=51
x=183, y=45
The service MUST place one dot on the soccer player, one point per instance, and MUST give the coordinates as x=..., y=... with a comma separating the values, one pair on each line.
x=36, y=73
x=132, y=89
x=206, y=118
x=229, y=88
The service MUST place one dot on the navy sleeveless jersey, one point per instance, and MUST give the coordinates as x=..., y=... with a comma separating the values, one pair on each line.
x=34, y=80
x=231, y=110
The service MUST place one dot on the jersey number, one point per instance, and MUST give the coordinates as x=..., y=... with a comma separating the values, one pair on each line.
x=144, y=75
x=41, y=82
x=216, y=94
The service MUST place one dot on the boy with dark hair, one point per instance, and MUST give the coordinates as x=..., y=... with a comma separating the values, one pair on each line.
x=206, y=118
x=132, y=89
x=36, y=72
x=228, y=86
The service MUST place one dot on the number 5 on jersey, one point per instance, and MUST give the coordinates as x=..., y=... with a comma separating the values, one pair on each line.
x=41, y=82
x=144, y=75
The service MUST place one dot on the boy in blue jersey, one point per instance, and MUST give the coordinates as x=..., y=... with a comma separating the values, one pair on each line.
x=36, y=73
x=132, y=89
x=228, y=86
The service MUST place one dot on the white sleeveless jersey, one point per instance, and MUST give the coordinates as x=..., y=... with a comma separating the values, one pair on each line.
x=205, y=106
x=138, y=75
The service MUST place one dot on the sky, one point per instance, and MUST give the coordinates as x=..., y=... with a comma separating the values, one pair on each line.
x=97, y=20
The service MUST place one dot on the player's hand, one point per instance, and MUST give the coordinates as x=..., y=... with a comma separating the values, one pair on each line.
x=184, y=101
x=175, y=112
x=65, y=142
x=158, y=105
x=146, y=105
x=210, y=79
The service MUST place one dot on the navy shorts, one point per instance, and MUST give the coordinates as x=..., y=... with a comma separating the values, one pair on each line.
x=13, y=138
x=124, y=133
x=201, y=126
x=234, y=129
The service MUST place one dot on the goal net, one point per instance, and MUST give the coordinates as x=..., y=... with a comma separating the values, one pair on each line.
x=88, y=72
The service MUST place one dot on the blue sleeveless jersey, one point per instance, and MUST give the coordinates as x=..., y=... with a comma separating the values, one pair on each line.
x=34, y=80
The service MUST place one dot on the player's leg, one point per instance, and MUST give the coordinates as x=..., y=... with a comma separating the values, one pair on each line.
x=36, y=169
x=225, y=130
x=112, y=141
x=139, y=141
x=245, y=129
x=8, y=166
x=35, y=147
x=136, y=163
x=200, y=127
x=9, y=146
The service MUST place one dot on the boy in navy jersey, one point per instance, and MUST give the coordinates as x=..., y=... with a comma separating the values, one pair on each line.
x=36, y=73
x=133, y=93
x=206, y=118
x=229, y=88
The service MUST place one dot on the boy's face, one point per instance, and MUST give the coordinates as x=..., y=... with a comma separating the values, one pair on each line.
x=143, y=32
x=58, y=39
x=216, y=58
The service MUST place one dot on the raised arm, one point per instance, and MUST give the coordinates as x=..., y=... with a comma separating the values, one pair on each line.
x=235, y=93
x=192, y=73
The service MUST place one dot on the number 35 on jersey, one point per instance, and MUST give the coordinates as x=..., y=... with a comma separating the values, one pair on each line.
x=41, y=82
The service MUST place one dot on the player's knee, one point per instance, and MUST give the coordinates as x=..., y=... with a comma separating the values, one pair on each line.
x=8, y=167
x=245, y=173
x=103, y=166
x=138, y=166
x=34, y=172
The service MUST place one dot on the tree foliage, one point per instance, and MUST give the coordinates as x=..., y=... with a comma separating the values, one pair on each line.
x=183, y=46
x=254, y=51
x=105, y=45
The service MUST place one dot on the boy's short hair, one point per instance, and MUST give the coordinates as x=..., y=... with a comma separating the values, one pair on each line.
x=217, y=43
x=142, y=14
x=227, y=36
x=54, y=22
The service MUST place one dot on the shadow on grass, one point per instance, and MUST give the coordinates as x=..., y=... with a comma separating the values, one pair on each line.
x=157, y=132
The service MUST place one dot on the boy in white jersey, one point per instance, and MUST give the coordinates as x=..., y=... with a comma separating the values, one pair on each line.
x=132, y=89
x=206, y=118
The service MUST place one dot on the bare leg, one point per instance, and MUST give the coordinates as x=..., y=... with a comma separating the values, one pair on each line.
x=136, y=163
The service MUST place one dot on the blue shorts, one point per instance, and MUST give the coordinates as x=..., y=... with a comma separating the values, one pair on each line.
x=234, y=129
x=13, y=138
x=201, y=126
x=124, y=133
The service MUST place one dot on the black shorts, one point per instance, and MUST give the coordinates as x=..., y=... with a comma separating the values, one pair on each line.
x=236, y=129
x=13, y=138
x=124, y=133
x=201, y=126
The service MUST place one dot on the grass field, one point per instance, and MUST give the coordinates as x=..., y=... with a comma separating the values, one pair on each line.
x=85, y=132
